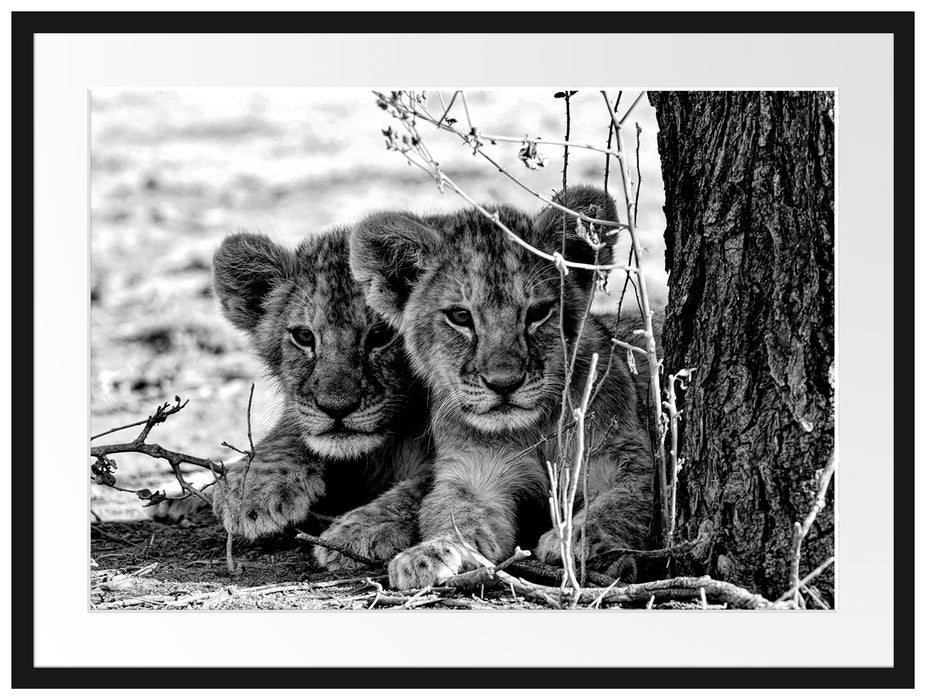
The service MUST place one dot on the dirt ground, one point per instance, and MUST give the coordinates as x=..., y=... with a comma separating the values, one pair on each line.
x=147, y=565
x=174, y=172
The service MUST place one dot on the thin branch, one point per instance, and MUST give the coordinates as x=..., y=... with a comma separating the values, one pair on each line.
x=582, y=455
x=804, y=581
x=647, y=313
x=251, y=452
x=475, y=143
x=580, y=413
x=628, y=346
x=679, y=588
x=636, y=201
x=121, y=427
x=501, y=138
x=801, y=530
x=671, y=407
x=491, y=138
x=466, y=109
x=555, y=258
x=447, y=109
x=341, y=549
x=113, y=538
x=484, y=574
x=822, y=604
x=612, y=555
x=607, y=158
x=631, y=108
x=153, y=450
x=233, y=568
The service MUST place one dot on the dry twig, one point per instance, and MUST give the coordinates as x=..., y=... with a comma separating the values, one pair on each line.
x=801, y=529
x=312, y=539
x=103, y=468
x=649, y=336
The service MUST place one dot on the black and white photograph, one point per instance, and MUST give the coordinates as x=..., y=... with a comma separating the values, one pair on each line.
x=463, y=349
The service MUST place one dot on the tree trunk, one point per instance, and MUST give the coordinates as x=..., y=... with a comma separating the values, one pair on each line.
x=749, y=251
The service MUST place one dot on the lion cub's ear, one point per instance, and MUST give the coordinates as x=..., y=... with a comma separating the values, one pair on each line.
x=587, y=200
x=388, y=252
x=246, y=268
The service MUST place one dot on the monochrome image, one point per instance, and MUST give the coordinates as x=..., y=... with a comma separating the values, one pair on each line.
x=454, y=349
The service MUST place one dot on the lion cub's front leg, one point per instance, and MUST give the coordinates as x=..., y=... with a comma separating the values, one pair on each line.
x=616, y=519
x=469, y=515
x=619, y=513
x=379, y=530
x=598, y=540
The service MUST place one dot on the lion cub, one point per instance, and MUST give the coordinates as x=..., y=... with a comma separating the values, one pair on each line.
x=354, y=423
x=481, y=318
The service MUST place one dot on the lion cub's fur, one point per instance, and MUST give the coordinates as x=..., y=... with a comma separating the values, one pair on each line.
x=480, y=317
x=354, y=421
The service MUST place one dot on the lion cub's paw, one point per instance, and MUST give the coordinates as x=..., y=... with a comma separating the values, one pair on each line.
x=365, y=533
x=266, y=507
x=598, y=541
x=547, y=549
x=427, y=564
x=178, y=512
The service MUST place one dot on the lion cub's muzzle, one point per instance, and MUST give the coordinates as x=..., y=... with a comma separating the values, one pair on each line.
x=504, y=383
x=336, y=392
x=337, y=406
x=359, y=428
x=357, y=417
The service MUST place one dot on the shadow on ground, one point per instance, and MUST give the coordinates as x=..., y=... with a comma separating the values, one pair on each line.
x=144, y=565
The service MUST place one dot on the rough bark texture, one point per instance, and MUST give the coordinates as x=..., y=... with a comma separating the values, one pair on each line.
x=749, y=251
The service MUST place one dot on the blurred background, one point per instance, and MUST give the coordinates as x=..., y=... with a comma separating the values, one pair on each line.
x=174, y=172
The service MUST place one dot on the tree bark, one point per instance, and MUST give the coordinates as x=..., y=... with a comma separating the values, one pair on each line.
x=749, y=250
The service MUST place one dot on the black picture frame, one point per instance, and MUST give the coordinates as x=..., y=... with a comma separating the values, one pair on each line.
x=25, y=25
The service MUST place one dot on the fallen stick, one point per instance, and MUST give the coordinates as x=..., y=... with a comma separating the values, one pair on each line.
x=485, y=573
x=613, y=554
x=804, y=581
x=112, y=538
x=132, y=602
x=679, y=588
x=312, y=539
x=120, y=580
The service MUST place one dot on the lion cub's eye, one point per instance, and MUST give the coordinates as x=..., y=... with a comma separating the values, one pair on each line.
x=459, y=316
x=539, y=312
x=303, y=337
x=380, y=336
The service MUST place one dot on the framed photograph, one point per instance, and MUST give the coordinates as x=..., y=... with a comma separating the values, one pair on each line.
x=429, y=330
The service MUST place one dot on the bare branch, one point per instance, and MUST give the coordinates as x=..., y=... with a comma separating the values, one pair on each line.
x=631, y=108
x=408, y=112
x=158, y=452
x=121, y=427
x=636, y=201
x=312, y=539
x=801, y=530
x=679, y=588
x=804, y=581
x=161, y=414
x=647, y=314
x=607, y=158
x=484, y=574
x=611, y=555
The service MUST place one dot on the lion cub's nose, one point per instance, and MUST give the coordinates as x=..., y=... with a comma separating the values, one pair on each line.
x=503, y=383
x=337, y=406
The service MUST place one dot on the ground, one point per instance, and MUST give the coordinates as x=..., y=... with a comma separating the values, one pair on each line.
x=185, y=568
x=171, y=174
